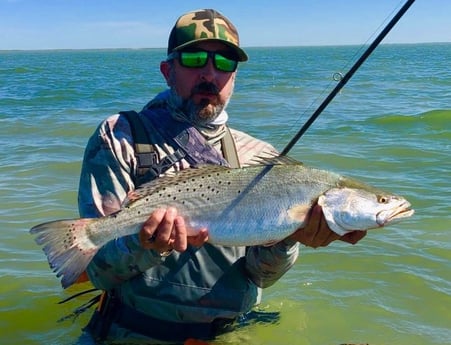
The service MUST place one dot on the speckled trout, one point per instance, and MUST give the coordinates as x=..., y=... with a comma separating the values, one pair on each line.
x=255, y=205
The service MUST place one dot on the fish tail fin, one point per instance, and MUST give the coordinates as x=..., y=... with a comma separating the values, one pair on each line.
x=67, y=247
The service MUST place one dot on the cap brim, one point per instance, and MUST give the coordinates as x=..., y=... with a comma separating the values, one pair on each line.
x=241, y=54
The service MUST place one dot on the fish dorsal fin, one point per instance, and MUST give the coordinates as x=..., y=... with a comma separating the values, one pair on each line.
x=276, y=160
x=187, y=174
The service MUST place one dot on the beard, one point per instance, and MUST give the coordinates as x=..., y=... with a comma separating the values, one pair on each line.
x=204, y=112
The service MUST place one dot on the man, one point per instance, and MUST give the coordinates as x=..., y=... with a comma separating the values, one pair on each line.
x=162, y=284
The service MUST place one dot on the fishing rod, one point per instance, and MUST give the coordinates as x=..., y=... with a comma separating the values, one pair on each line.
x=323, y=105
x=347, y=76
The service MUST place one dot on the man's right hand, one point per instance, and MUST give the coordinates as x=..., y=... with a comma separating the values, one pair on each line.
x=165, y=230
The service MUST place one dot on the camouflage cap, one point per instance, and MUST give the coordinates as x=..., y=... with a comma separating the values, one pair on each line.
x=204, y=25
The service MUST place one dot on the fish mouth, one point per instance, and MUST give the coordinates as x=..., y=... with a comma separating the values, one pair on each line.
x=396, y=214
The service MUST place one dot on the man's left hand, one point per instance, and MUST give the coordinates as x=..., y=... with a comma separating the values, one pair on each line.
x=317, y=233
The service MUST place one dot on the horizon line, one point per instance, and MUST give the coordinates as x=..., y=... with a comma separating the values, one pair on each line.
x=244, y=47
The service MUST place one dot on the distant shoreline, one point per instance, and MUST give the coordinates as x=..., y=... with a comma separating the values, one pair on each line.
x=249, y=47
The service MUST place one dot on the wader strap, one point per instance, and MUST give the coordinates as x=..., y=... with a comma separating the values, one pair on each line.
x=149, y=164
x=229, y=149
x=155, y=170
x=145, y=153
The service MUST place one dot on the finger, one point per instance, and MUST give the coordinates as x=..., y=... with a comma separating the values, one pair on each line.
x=199, y=239
x=330, y=238
x=312, y=227
x=320, y=228
x=180, y=241
x=314, y=219
x=353, y=237
x=149, y=228
x=165, y=228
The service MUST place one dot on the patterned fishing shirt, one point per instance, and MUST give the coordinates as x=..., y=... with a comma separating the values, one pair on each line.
x=198, y=285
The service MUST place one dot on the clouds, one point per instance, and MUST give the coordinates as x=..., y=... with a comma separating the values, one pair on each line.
x=84, y=35
x=62, y=24
x=58, y=24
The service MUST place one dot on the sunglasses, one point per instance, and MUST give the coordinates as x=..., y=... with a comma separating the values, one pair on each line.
x=198, y=59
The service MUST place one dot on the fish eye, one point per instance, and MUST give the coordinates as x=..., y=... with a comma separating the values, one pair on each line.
x=382, y=199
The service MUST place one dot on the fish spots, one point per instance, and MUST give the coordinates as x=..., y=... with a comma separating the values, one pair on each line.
x=197, y=186
x=70, y=237
x=162, y=193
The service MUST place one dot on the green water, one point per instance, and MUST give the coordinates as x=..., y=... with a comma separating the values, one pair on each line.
x=390, y=126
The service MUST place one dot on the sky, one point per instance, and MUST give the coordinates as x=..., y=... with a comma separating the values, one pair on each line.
x=86, y=24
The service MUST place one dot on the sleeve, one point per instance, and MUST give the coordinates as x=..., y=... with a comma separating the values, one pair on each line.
x=120, y=260
x=107, y=170
x=267, y=264
x=106, y=178
x=251, y=150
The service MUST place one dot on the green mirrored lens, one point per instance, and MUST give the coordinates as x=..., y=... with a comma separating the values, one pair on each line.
x=193, y=59
x=199, y=59
x=224, y=64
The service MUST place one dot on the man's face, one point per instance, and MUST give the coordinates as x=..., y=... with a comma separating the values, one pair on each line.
x=202, y=93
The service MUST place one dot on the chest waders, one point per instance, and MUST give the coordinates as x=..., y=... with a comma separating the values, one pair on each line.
x=188, y=144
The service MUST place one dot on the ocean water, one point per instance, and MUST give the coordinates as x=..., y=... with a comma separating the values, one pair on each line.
x=390, y=127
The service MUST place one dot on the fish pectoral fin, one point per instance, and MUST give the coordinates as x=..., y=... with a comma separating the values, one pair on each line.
x=110, y=203
x=298, y=212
